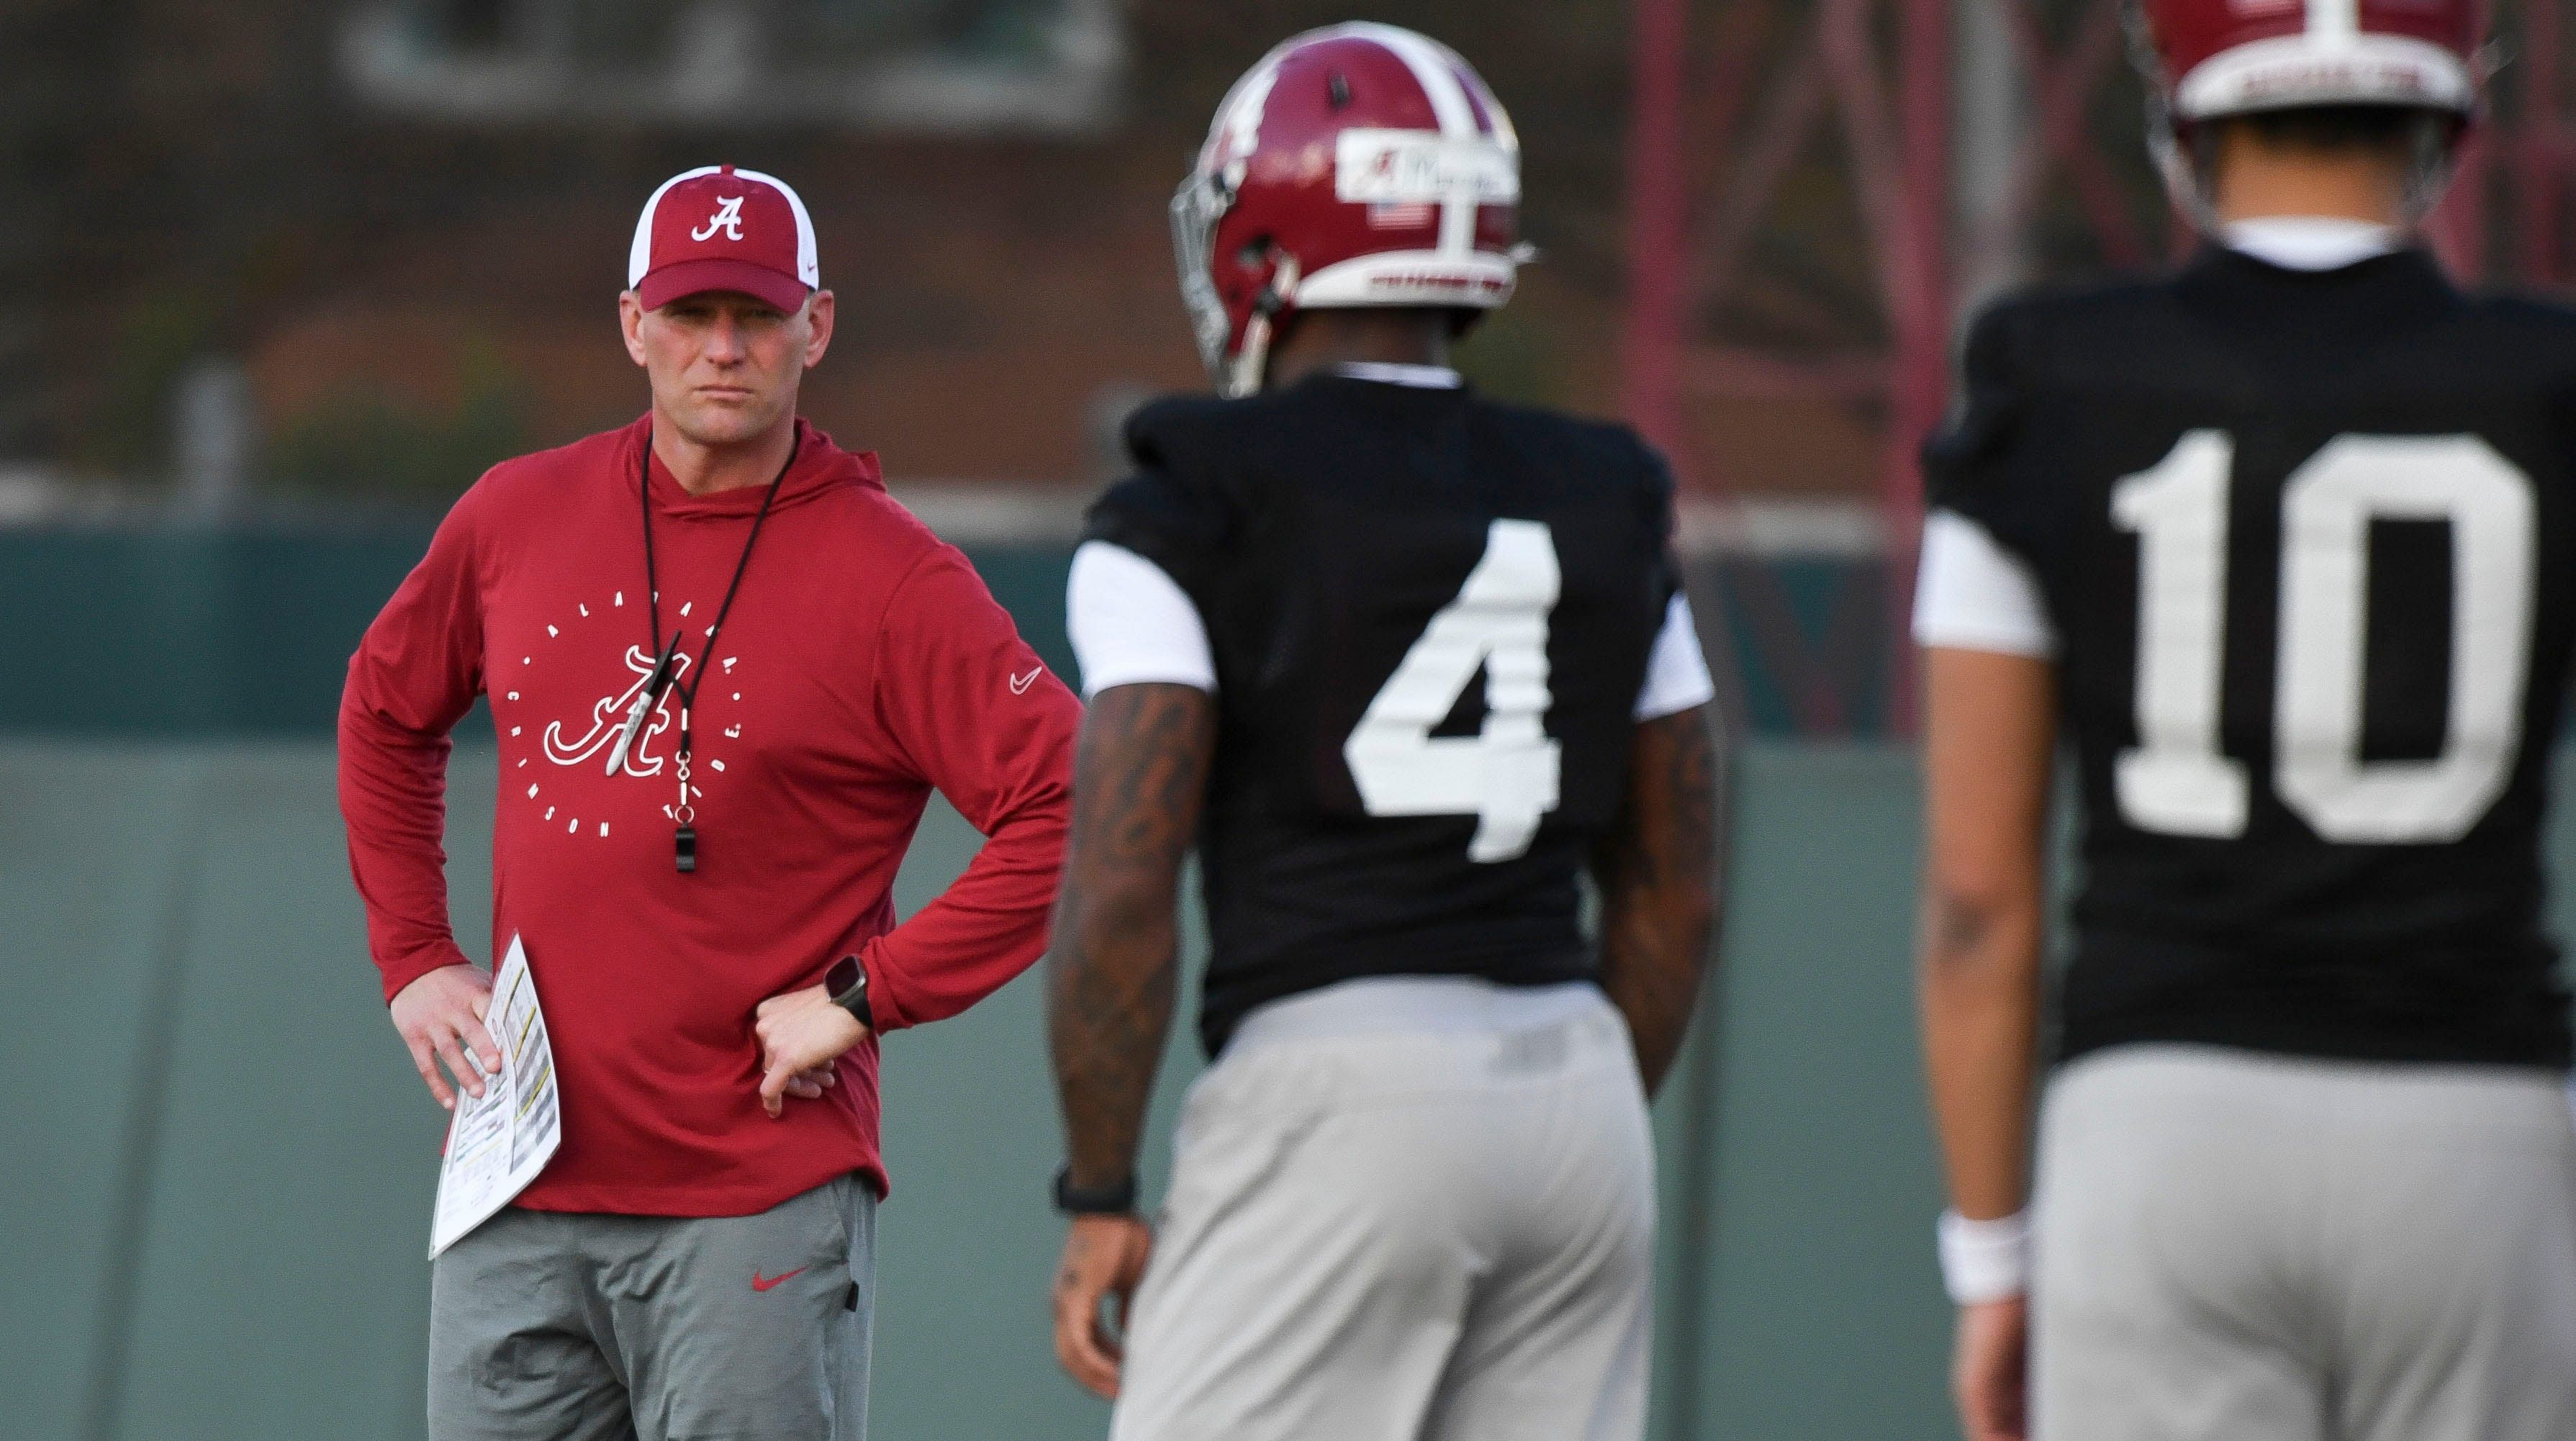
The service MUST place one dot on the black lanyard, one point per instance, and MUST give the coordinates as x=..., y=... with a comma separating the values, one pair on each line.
x=666, y=657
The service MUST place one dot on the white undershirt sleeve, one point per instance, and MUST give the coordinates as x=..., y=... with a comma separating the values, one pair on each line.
x=1677, y=675
x=1973, y=594
x=1132, y=624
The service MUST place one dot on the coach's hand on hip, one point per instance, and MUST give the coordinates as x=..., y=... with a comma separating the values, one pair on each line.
x=441, y=1014
x=802, y=1034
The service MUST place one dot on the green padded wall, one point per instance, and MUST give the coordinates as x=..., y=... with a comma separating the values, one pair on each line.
x=176, y=634
x=1818, y=1309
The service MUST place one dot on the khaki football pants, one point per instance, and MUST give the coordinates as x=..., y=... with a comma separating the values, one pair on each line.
x=2236, y=1247
x=1404, y=1235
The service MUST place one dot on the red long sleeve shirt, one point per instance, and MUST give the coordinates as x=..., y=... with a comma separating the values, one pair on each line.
x=862, y=665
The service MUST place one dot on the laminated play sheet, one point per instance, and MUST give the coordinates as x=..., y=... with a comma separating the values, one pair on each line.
x=497, y=1142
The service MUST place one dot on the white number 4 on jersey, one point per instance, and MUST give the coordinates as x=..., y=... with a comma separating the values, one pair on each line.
x=1506, y=774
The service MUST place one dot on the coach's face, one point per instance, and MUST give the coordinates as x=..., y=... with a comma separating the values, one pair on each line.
x=725, y=366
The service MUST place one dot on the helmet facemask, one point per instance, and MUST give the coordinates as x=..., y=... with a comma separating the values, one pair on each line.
x=1252, y=359
x=1197, y=206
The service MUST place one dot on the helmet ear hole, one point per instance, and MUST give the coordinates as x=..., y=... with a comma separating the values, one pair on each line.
x=1254, y=252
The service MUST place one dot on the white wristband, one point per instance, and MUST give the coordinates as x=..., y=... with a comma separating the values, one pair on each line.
x=1985, y=1260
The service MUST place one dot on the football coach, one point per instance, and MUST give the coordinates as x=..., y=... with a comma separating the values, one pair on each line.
x=726, y=671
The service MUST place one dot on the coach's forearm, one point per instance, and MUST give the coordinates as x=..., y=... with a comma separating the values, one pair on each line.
x=1657, y=873
x=979, y=934
x=393, y=788
x=1140, y=778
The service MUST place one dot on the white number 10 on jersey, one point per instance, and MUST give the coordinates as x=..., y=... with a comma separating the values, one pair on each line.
x=1506, y=774
x=2175, y=781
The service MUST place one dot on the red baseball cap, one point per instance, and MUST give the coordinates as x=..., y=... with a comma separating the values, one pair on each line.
x=718, y=228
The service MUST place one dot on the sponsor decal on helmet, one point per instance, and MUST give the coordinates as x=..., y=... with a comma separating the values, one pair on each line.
x=1416, y=167
x=1438, y=280
x=2297, y=82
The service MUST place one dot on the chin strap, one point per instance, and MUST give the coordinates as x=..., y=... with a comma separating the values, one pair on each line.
x=1244, y=377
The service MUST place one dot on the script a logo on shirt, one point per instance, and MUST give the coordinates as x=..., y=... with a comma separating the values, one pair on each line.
x=717, y=729
x=608, y=720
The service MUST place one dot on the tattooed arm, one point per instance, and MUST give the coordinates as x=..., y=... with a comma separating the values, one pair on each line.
x=1657, y=870
x=1140, y=777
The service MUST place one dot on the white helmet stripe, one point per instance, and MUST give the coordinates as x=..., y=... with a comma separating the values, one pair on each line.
x=1433, y=70
x=2334, y=19
x=1497, y=120
x=1238, y=117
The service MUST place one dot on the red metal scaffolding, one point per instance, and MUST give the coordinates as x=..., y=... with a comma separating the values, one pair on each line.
x=1723, y=116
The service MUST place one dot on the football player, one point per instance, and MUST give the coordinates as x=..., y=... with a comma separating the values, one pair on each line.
x=1402, y=663
x=2283, y=547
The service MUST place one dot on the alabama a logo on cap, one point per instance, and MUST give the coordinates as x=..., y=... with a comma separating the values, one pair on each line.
x=728, y=218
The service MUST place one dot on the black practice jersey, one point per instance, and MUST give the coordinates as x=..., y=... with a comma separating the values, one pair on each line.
x=1430, y=616
x=2308, y=542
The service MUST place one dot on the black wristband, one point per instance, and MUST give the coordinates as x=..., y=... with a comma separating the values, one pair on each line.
x=1118, y=1200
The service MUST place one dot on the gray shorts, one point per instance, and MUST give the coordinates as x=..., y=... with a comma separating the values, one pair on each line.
x=2242, y=1248
x=1404, y=1234
x=551, y=1326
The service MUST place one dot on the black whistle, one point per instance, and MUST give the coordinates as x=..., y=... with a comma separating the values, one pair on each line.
x=684, y=847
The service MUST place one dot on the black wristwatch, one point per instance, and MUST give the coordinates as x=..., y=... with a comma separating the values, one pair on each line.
x=1118, y=1200
x=847, y=984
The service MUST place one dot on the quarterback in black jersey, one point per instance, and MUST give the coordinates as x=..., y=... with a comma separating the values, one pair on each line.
x=1402, y=665
x=2282, y=549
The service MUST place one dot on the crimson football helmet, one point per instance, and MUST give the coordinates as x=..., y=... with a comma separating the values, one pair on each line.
x=1361, y=165
x=2207, y=59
